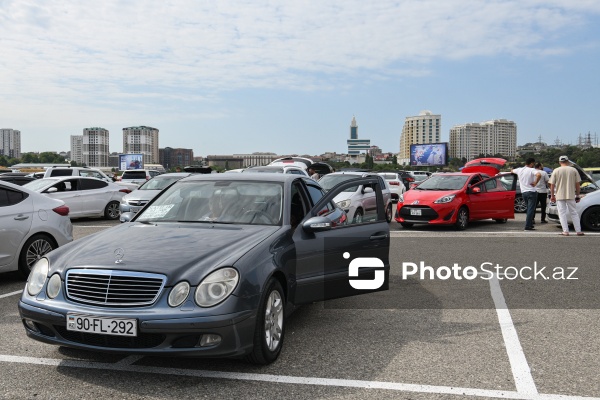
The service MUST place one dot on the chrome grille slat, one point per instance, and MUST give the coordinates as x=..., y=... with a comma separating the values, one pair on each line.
x=113, y=288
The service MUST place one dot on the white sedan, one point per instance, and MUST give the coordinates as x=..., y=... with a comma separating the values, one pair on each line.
x=588, y=209
x=31, y=226
x=85, y=197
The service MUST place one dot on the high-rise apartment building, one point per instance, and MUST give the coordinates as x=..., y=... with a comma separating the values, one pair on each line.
x=489, y=137
x=10, y=143
x=420, y=129
x=77, y=148
x=95, y=147
x=142, y=140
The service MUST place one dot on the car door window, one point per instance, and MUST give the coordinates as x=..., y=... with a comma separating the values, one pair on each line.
x=316, y=193
x=298, y=207
x=10, y=197
x=89, y=184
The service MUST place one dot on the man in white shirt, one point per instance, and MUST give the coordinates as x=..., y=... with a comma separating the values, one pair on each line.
x=528, y=180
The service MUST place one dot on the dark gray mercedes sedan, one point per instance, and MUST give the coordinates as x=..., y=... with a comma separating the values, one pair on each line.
x=211, y=267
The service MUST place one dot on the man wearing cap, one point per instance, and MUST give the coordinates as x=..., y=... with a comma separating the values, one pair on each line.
x=529, y=177
x=565, y=186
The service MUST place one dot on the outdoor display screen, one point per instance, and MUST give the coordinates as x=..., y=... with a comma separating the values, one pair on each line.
x=430, y=154
x=131, y=161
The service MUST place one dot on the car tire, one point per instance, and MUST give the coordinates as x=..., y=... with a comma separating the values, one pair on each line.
x=389, y=213
x=462, y=219
x=34, y=249
x=520, y=204
x=406, y=224
x=112, y=210
x=270, y=325
x=501, y=220
x=591, y=219
x=358, y=216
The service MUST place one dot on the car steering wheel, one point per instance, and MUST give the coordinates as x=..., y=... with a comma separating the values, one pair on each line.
x=258, y=214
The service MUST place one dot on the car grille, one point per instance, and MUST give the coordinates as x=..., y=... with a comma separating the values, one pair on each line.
x=142, y=341
x=427, y=213
x=137, y=203
x=111, y=288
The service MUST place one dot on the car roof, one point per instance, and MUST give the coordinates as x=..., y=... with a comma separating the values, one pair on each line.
x=247, y=177
x=173, y=174
x=356, y=173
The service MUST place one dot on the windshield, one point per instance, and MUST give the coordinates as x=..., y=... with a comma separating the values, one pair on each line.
x=226, y=202
x=329, y=181
x=159, y=183
x=39, y=184
x=444, y=182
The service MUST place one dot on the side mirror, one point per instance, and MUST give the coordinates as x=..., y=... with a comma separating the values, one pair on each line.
x=316, y=224
x=367, y=190
x=126, y=216
x=52, y=190
x=476, y=190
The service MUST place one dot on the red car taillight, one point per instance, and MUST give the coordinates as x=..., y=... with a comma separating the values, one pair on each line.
x=393, y=183
x=125, y=190
x=410, y=179
x=61, y=210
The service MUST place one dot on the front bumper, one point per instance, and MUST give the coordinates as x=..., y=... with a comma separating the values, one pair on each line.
x=156, y=336
x=552, y=213
x=442, y=214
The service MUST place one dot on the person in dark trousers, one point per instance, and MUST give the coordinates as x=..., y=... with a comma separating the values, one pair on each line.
x=542, y=191
x=528, y=180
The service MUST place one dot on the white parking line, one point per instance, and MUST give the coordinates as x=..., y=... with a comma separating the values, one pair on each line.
x=518, y=363
x=10, y=294
x=298, y=380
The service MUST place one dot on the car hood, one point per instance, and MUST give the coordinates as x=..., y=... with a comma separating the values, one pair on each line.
x=425, y=196
x=343, y=196
x=488, y=166
x=141, y=195
x=179, y=251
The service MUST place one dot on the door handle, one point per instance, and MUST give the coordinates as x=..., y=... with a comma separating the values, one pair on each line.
x=21, y=217
x=379, y=237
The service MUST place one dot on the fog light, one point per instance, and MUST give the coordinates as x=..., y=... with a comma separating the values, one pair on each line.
x=210, y=340
x=31, y=325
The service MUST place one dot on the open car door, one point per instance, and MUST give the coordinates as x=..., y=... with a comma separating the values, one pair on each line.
x=337, y=260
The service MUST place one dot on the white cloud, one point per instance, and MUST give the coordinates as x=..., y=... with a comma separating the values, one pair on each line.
x=114, y=46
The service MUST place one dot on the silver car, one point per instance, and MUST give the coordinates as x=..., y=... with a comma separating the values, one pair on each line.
x=32, y=225
x=134, y=201
x=359, y=201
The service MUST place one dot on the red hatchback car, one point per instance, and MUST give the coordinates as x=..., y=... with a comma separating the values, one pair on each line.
x=460, y=197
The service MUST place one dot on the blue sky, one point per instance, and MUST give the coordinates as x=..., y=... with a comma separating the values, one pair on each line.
x=225, y=77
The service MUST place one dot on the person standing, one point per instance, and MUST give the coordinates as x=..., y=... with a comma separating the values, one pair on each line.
x=528, y=180
x=542, y=191
x=565, y=186
x=314, y=175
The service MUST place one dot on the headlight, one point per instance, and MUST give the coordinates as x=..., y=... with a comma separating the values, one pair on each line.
x=344, y=204
x=445, y=199
x=401, y=198
x=216, y=287
x=37, y=277
x=54, y=285
x=179, y=293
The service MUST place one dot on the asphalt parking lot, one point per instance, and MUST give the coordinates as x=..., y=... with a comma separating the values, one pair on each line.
x=422, y=339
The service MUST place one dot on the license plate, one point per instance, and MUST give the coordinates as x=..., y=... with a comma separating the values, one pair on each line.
x=415, y=211
x=103, y=325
